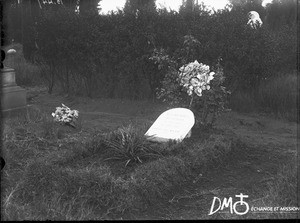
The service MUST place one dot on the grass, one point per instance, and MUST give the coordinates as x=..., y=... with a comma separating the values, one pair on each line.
x=129, y=145
x=57, y=178
x=63, y=177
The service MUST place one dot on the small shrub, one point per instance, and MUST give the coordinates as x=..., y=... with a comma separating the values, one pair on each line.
x=193, y=85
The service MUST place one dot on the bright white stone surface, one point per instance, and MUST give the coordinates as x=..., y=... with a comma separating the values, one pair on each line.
x=173, y=124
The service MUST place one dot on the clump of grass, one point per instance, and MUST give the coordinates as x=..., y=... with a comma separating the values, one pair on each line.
x=129, y=145
x=279, y=95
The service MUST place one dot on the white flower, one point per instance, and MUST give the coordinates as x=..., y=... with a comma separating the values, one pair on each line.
x=198, y=91
x=209, y=77
x=195, y=81
x=186, y=70
x=196, y=63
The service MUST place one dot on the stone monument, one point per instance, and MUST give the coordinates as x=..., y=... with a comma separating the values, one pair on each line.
x=174, y=124
x=13, y=97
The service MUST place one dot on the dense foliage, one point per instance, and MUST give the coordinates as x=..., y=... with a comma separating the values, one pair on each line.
x=108, y=55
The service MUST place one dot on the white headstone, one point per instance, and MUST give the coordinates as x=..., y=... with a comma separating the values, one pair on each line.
x=174, y=124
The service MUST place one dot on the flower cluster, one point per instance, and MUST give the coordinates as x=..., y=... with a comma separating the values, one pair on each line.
x=195, y=77
x=65, y=115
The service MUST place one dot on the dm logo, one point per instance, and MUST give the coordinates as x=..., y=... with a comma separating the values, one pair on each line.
x=228, y=204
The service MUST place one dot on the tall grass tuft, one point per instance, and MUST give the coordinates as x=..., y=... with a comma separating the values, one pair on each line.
x=129, y=145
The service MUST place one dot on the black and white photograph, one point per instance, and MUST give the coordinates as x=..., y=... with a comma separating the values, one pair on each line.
x=149, y=110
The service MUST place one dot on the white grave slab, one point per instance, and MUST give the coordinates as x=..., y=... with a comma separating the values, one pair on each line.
x=174, y=124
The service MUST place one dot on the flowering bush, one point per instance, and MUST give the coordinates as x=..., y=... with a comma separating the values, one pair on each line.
x=193, y=85
x=65, y=115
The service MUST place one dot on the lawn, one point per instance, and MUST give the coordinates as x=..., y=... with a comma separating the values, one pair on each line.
x=55, y=172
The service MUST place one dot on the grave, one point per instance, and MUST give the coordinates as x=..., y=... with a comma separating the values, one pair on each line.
x=13, y=97
x=174, y=124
